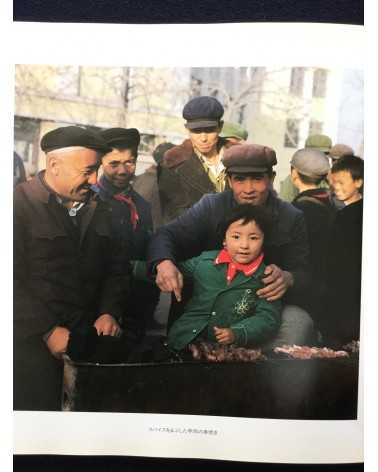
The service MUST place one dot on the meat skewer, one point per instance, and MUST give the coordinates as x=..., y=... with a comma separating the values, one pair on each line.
x=306, y=352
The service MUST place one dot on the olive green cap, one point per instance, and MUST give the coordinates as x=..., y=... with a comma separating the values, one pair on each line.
x=233, y=130
x=321, y=142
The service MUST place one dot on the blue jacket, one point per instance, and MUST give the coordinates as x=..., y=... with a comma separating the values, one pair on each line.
x=136, y=242
x=197, y=230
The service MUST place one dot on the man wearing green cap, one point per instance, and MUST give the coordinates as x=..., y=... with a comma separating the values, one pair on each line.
x=233, y=133
x=320, y=142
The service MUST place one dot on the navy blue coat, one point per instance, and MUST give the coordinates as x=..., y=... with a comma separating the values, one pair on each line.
x=197, y=230
x=144, y=296
x=136, y=242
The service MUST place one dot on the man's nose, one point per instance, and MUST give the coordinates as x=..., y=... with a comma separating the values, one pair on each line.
x=203, y=137
x=123, y=168
x=248, y=186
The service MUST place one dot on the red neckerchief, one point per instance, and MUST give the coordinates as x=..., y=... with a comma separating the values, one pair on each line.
x=248, y=269
x=134, y=217
x=121, y=197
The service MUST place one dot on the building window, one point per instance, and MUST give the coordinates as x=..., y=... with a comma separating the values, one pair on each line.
x=316, y=127
x=319, y=85
x=297, y=81
x=292, y=133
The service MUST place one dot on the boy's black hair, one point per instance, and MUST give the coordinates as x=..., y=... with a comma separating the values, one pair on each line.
x=247, y=213
x=349, y=163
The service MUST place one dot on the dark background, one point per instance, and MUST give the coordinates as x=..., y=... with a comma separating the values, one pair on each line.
x=179, y=11
x=189, y=11
x=141, y=464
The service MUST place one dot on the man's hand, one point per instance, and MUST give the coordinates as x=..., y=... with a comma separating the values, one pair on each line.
x=224, y=335
x=276, y=282
x=57, y=341
x=107, y=325
x=169, y=278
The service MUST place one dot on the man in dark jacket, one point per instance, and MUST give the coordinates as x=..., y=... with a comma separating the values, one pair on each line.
x=69, y=274
x=309, y=167
x=342, y=324
x=250, y=176
x=146, y=184
x=320, y=142
x=131, y=216
x=194, y=168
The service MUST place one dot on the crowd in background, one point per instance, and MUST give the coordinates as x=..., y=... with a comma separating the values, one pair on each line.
x=94, y=251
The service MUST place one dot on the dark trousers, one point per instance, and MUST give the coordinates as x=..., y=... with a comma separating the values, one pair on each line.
x=37, y=376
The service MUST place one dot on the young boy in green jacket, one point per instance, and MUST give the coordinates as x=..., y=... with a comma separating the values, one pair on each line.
x=224, y=307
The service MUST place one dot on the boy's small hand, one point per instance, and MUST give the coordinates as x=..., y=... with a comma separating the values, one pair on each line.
x=224, y=335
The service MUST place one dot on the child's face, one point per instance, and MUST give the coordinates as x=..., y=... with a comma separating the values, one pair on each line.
x=346, y=189
x=243, y=241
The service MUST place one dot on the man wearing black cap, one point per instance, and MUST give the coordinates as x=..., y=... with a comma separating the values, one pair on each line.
x=250, y=176
x=194, y=168
x=131, y=217
x=69, y=274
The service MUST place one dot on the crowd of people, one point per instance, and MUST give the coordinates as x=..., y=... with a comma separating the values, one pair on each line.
x=94, y=247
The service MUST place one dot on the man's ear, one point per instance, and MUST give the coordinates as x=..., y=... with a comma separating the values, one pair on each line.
x=293, y=174
x=273, y=176
x=220, y=126
x=53, y=163
x=359, y=183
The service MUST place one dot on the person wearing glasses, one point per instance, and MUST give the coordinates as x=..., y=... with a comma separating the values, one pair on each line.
x=131, y=216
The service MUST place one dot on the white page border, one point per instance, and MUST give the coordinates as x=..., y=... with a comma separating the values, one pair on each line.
x=187, y=45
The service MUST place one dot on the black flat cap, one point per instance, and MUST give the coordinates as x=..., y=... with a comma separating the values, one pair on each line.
x=128, y=138
x=248, y=158
x=202, y=112
x=68, y=136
